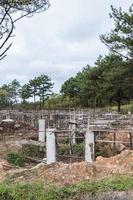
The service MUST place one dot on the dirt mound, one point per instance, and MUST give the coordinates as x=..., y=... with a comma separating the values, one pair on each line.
x=63, y=174
x=122, y=162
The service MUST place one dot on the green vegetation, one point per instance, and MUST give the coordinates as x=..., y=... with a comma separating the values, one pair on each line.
x=103, y=150
x=16, y=159
x=37, y=191
x=78, y=149
x=124, y=108
x=101, y=85
x=120, y=40
x=28, y=151
x=108, y=83
x=21, y=192
x=39, y=87
x=34, y=151
x=64, y=149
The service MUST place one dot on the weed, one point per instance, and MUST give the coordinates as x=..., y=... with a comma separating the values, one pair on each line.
x=16, y=159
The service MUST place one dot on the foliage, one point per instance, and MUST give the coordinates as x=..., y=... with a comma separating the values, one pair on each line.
x=39, y=87
x=64, y=149
x=124, y=108
x=71, y=89
x=33, y=151
x=12, y=93
x=10, y=12
x=44, y=86
x=37, y=191
x=25, y=93
x=4, y=97
x=113, y=87
x=120, y=39
x=108, y=83
x=16, y=159
x=33, y=85
x=103, y=150
x=14, y=90
x=57, y=101
x=22, y=192
x=78, y=149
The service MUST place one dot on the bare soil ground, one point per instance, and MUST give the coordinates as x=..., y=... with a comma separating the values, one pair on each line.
x=5, y=167
x=11, y=139
x=60, y=173
x=63, y=174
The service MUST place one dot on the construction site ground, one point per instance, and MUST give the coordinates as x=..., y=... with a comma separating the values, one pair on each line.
x=59, y=173
x=65, y=174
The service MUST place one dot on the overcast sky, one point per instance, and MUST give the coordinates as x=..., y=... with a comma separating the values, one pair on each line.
x=60, y=41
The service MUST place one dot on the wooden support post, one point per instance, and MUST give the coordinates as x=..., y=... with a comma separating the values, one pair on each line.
x=131, y=143
x=114, y=142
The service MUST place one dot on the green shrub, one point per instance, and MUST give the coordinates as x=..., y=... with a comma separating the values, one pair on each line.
x=63, y=149
x=102, y=150
x=33, y=151
x=16, y=159
x=78, y=149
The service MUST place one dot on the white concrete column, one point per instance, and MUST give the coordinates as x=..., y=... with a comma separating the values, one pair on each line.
x=129, y=112
x=72, y=127
x=8, y=116
x=89, y=146
x=41, y=130
x=50, y=146
x=73, y=134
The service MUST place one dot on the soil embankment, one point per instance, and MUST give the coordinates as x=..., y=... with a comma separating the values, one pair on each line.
x=65, y=174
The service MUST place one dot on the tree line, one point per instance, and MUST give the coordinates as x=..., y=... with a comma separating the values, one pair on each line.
x=37, y=89
x=110, y=81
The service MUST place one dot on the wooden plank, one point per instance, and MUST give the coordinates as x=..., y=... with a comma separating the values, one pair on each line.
x=69, y=156
x=111, y=141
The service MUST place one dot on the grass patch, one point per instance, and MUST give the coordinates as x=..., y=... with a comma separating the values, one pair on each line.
x=28, y=150
x=124, y=108
x=37, y=191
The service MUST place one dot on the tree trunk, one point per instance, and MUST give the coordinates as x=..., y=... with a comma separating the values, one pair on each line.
x=119, y=105
x=119, y=99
